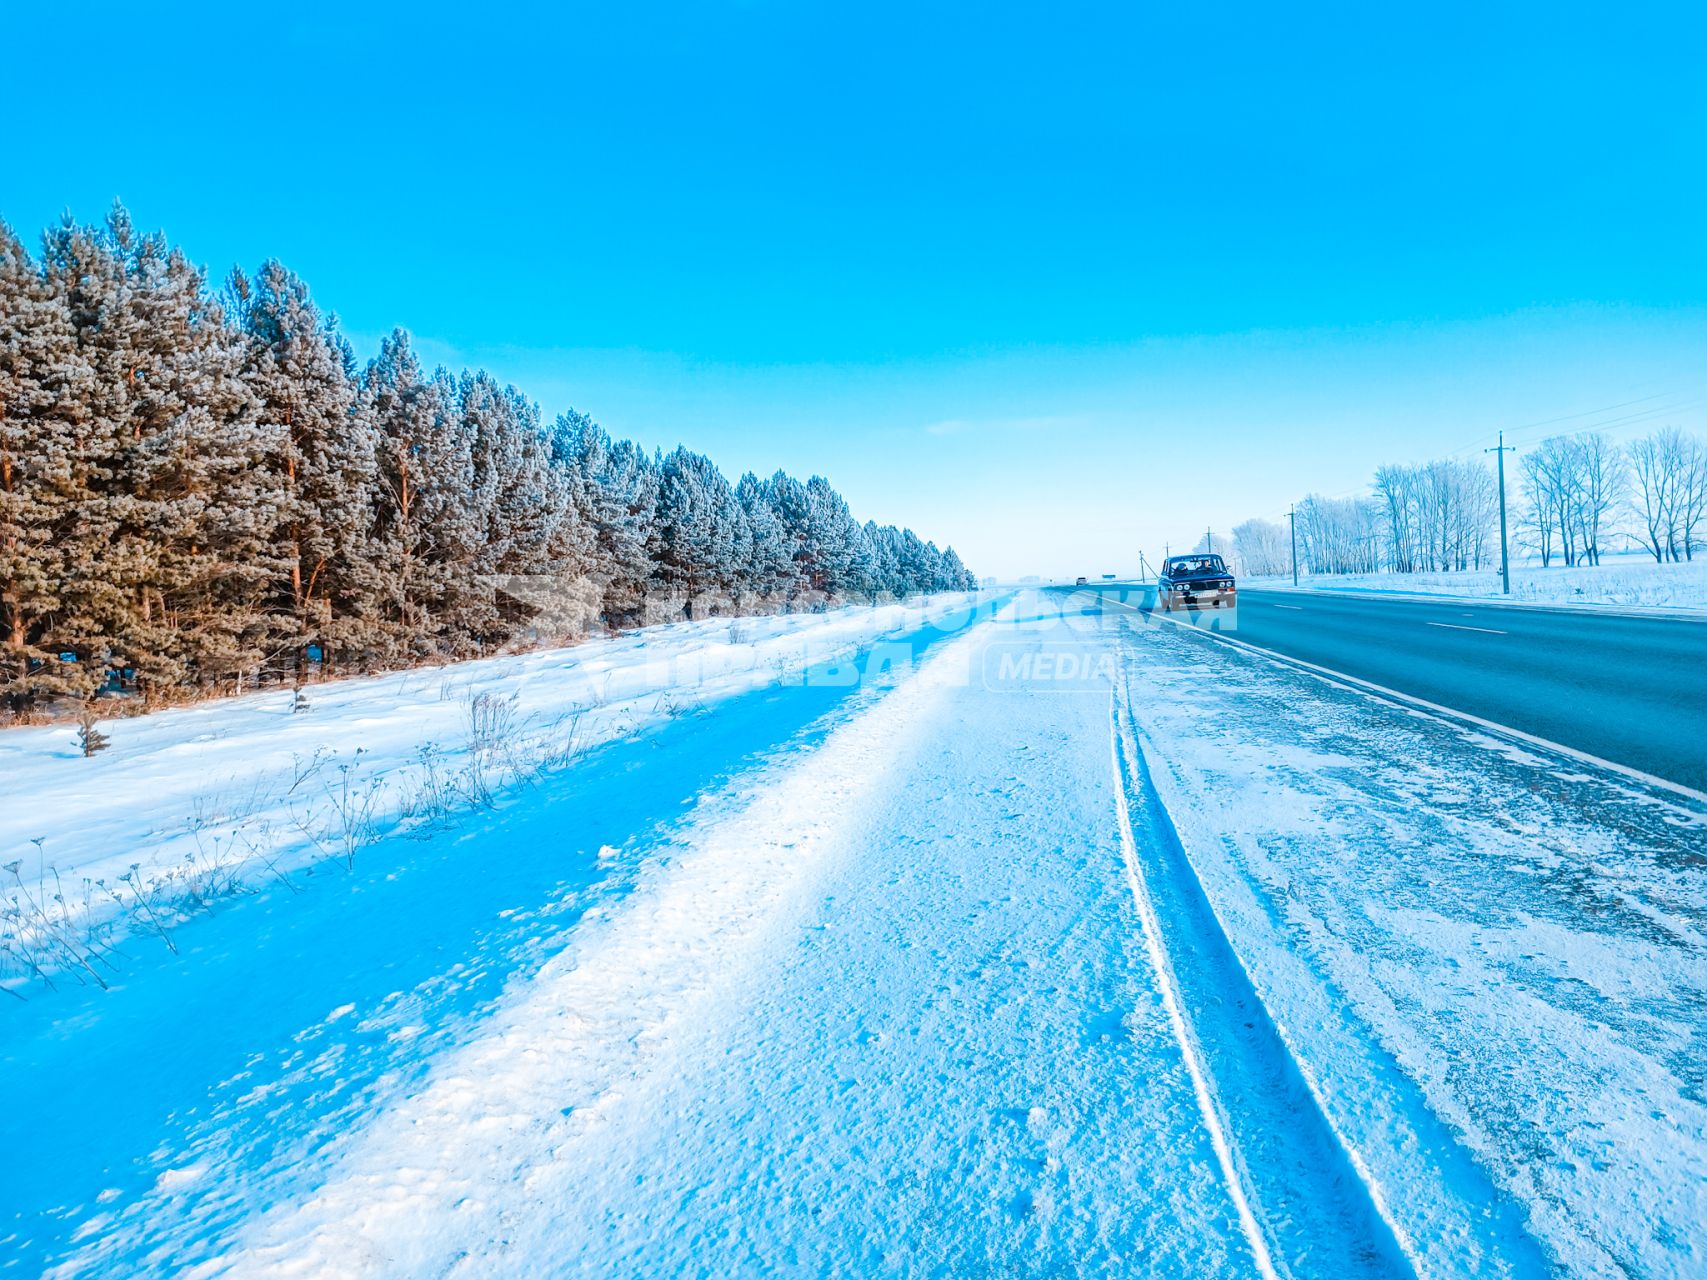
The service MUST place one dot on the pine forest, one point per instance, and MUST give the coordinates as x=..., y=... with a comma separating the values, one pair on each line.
x=202, y=489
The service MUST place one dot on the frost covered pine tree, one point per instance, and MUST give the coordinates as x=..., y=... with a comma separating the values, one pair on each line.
x=918, y=565
x=44, y=383
x=534, y=534
x=203, y=498
x=91, y=588
x=321, y=453
x=163, y=583
x=616, y=497
x=954, y=575
x=792, y=507
x=845, y=559
x=462, y=609
x=768, y=563
x=491, y=437
x=701, y=529
x=885, y=541
x=423, y=472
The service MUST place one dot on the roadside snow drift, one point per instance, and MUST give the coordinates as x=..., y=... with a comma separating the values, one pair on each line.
x=187, y=805
x=1623, y=580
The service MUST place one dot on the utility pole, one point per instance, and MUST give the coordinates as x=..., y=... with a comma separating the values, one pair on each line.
x=1505, y=545
x=1209, y=541
x=1292, y=523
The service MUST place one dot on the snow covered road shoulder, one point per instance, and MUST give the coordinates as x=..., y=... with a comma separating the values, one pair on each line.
x=1454, y=930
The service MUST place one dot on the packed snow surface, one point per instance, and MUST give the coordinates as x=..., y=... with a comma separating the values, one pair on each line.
x=1047, y=944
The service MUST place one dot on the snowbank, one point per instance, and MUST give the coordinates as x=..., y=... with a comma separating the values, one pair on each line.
x=1632, y=581
x=191, y=803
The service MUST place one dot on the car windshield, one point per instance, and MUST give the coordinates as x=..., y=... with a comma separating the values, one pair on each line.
x=1197, y=564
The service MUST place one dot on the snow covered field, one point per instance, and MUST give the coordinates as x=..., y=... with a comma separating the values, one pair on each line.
x=1632, y=580
x=188, y=805
x=1057, y=944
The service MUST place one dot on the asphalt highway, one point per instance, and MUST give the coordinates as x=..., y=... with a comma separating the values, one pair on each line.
x=1622, y=687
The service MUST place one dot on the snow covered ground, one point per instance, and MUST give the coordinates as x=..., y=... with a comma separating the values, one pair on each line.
x=1630, y=580
x=186, y=806
x=1464, y=940
x=879, y=1009
x=1053, y=945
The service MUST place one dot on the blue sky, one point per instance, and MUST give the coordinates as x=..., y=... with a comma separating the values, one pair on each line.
x=1052, y=283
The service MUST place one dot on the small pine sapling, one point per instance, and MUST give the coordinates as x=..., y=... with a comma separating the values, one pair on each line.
x=89, y=737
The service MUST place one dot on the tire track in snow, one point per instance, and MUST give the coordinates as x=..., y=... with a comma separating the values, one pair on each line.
x=1305, y=1207
x=1472, y=1189
x=1176, y=1015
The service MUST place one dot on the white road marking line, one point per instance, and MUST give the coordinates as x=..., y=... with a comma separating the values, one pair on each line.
x=1458, y=627
x=1382, y=693
x=1296, y=608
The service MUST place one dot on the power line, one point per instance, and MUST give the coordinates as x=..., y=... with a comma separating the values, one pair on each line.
x=1634, y=419
x=1641, y=415
x=1569, y=417
x=1626, y=420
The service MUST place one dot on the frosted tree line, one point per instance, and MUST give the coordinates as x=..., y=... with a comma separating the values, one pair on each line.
x=1438, y=516
x=201, y=488
x=1569, y=497
x=1581, y=490
x=1335, y=535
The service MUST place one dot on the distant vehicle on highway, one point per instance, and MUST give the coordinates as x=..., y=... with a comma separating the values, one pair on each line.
x=1196, y=582
x=1081, y=581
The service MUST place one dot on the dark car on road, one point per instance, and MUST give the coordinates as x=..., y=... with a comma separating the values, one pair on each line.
x=1196, y=582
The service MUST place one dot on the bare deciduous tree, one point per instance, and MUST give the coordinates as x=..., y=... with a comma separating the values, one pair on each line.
x=1262, y=548
x=1438, y=516
x=1339, y=535
x=1572, y=485
x=1669, y=494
